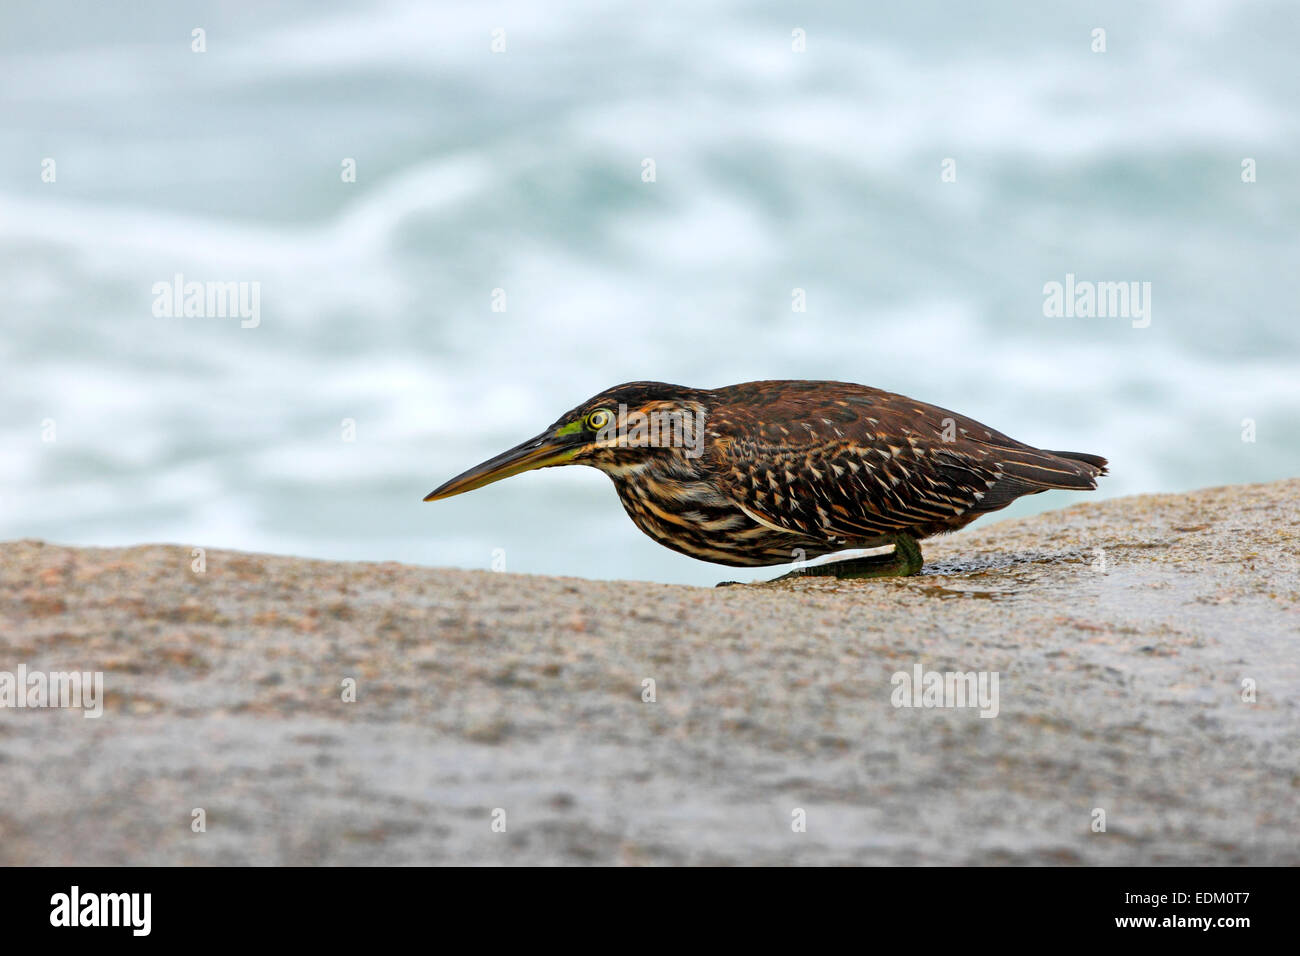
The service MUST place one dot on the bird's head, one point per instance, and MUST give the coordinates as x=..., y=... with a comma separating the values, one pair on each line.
x=621, y=429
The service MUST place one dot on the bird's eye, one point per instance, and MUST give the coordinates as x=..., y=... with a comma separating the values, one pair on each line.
x=598, y=419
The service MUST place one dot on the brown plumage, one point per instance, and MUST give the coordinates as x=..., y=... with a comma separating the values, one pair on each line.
x=768, y=472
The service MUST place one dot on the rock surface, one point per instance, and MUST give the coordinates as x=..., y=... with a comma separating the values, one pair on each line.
x=1121, y=633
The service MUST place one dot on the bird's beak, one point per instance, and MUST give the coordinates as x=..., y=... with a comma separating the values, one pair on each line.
x=541, y=452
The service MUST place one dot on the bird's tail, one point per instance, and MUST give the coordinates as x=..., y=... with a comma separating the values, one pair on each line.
x=1096, y=461
x=1027, y=471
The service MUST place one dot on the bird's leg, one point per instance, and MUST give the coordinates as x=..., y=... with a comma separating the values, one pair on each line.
x=904, y=560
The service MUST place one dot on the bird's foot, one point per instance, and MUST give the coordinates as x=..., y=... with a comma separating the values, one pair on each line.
x=904, y=560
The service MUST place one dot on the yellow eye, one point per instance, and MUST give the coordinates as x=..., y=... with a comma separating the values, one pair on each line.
x=599, y=419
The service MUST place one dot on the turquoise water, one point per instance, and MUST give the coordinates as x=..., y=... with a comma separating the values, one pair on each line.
x=522, y=171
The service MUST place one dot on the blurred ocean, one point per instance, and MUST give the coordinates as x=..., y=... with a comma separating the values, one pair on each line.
x=522, y=171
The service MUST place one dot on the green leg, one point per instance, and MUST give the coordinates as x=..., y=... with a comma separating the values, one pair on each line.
x=904, y=560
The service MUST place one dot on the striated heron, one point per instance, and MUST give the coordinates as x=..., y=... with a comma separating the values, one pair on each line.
x=768, y=473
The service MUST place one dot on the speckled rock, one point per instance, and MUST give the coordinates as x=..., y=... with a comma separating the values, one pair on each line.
x=1126, y=635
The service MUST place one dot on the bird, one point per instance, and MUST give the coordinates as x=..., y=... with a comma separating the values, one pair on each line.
x=780, y=472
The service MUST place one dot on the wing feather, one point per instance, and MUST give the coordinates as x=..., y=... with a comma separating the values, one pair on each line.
x=852, y=463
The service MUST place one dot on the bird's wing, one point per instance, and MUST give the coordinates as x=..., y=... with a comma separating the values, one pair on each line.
x=864, y=466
